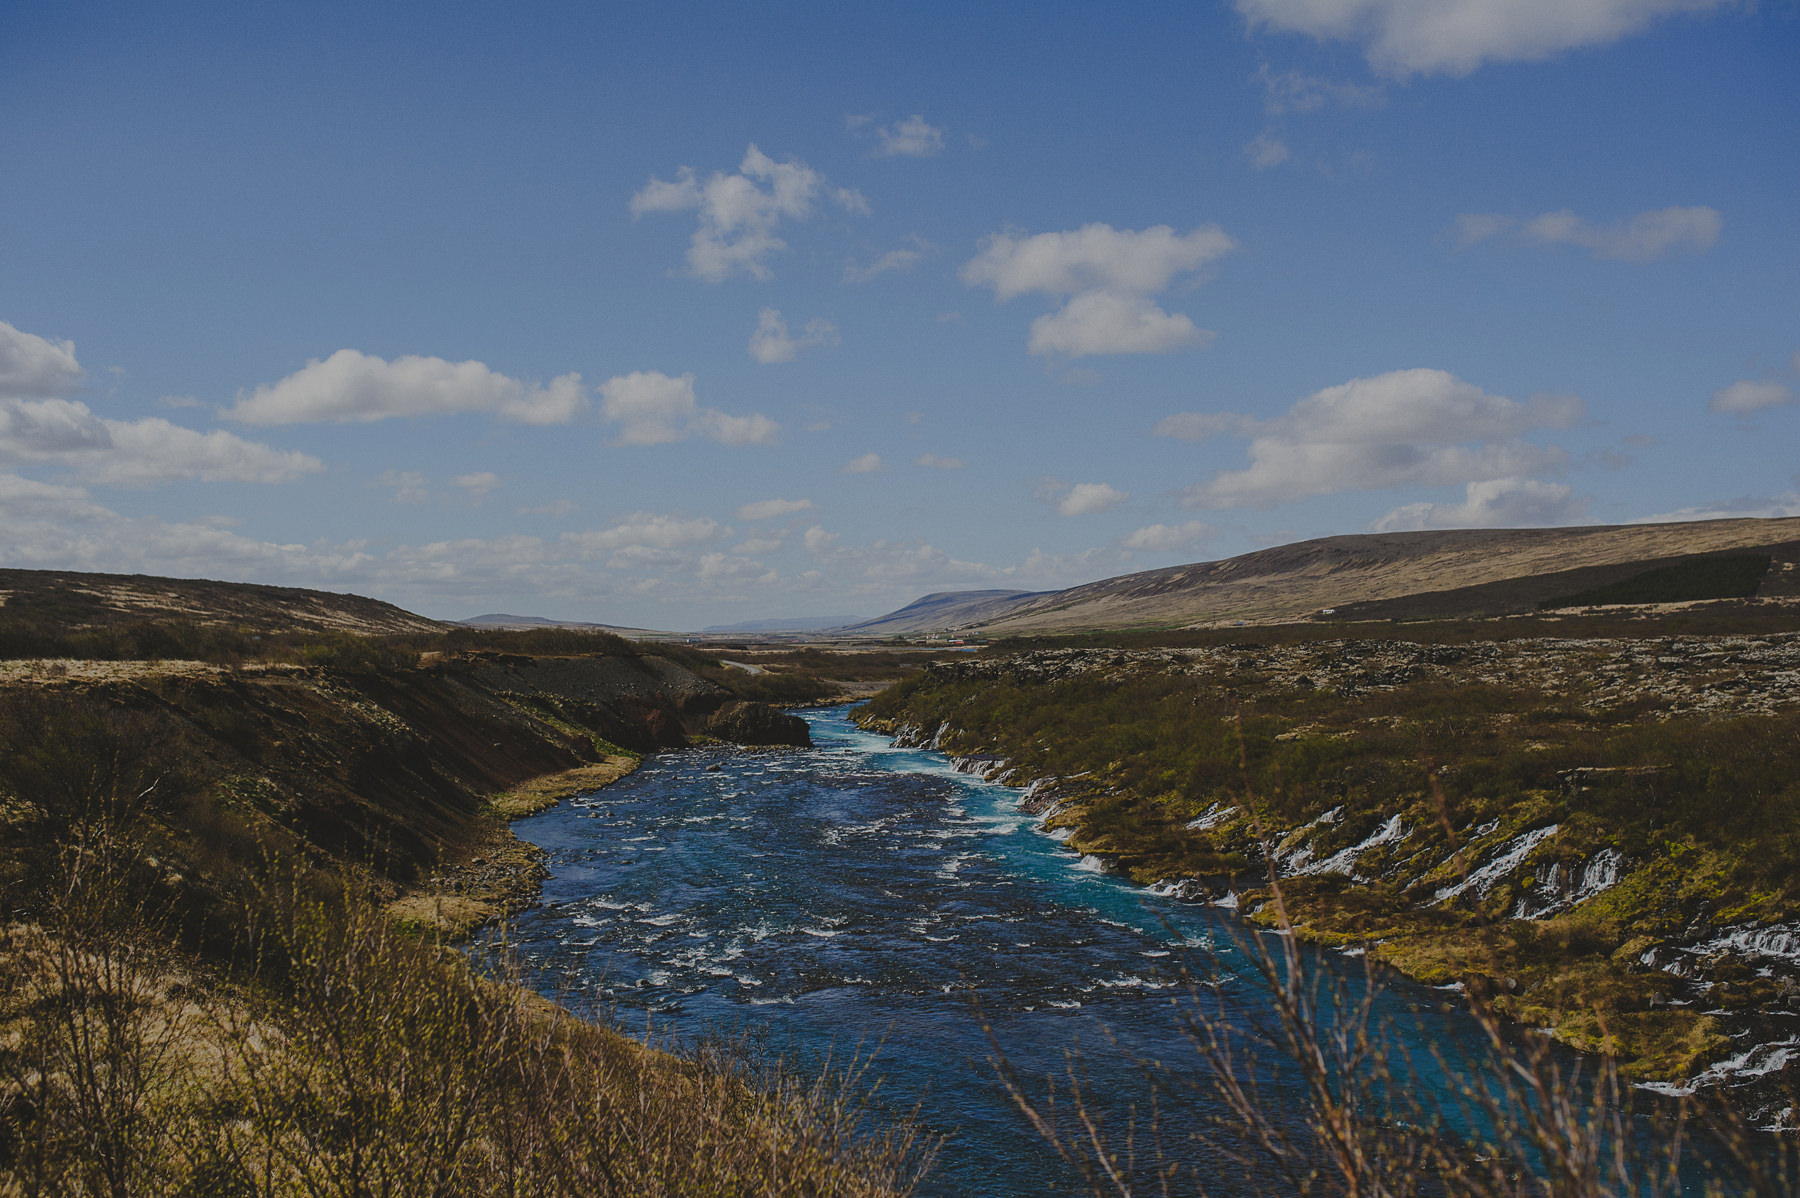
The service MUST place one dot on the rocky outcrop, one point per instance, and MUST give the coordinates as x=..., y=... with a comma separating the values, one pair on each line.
x=758, y=724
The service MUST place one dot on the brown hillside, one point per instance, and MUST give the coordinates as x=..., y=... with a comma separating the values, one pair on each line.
x=68, y=599
x=1462, y=572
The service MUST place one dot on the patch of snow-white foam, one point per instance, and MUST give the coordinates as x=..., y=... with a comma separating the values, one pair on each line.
x=1344, y=860
x=1775, y=940
x=1212, y=817
x=1752, y=1062
x=1091, y=864
x=1600, y=872
x=1060, y=833
x=1512, y=855
x=1229, y=902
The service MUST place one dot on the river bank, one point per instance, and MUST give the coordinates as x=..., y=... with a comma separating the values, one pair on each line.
x=1591, y=827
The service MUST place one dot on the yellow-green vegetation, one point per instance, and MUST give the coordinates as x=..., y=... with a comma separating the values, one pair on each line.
x=1548, y=815
x=226, y=902
x=535, y=794
x=348, y=1058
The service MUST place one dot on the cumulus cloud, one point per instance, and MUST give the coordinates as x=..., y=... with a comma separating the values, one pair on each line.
x=1168, y=538
x=900, y=259
x=137, y=453
x=756, y=546
x=1763, y=507
x=1641, y=238
x=408, y=485
x=1104, y=278
x=648, y=530
x=1081, y=499
x=1453, y=37
x=868, y=463
x=772, y=343
x=882, y=563
x=354, y=387
x=652, y=408
x=914, y=137
x=32, y=367
x=740, y=213
x=1406, y=427
x=1111, y=322
x=1492, y=503
x=773, y=509
x=1293, y=91
x=932, y=461
x=1748, y=395
x=478, y=483
x=1266, y=150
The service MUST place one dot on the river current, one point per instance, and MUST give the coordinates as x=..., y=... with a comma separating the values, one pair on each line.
x=859, y=898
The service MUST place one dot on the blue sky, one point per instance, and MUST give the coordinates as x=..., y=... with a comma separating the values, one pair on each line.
x=673, y=315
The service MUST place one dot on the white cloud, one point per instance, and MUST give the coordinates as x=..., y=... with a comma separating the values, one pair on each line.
x=1084, y=499
x=1747, y=396
x=32, y=367
x=932, y=461
x=648, y=530
x=1199, y=426
x=652, y=408
x=1761, y=507
x=1474, y=227
x=350, y=386
x=1291, y=91
x=477, y=484
x=881, y=564
x=740, y=213
x=913, y=137
x=1406, y=427
x=771, y=343
x=1453, y=37
x=1492, y=503
x=137, y=453
x=868, y=463
x=1266, y=150
x=1111, y=322
x=1168, y=538
x=756, y=546
x=773, y=509
x=1105, y=277
x=900, y=259
x=408, y=485
x=64, y=433
x=1642, y=238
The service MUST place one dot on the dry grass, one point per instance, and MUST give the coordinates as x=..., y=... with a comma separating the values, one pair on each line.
x=366, y=1061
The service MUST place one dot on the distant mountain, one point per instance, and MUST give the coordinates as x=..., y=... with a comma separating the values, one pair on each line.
x=945, y=610
x=500, y=620
x=71, y=599
x=802, y=624
x=1409, y=575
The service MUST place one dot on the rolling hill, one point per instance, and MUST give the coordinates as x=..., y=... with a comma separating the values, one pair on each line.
x=1408, y=575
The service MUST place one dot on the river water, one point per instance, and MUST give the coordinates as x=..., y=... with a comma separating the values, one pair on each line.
x=862, y=898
